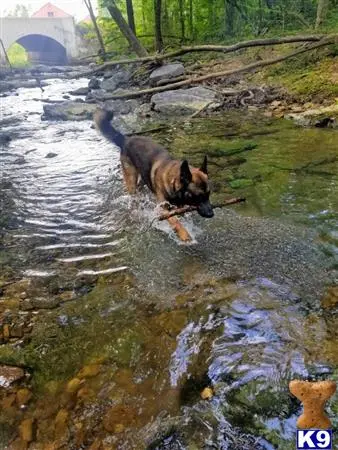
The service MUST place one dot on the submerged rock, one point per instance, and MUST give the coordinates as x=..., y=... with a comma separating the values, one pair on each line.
x=10, y=374
x=166, y=72
x=26, y=430
x=5, y=138
x=68, y=111
x=184, y=101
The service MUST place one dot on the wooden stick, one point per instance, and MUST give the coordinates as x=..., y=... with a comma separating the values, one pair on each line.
x=249, y=68
x=179, y=229
x=209, y=48
x=185, y=209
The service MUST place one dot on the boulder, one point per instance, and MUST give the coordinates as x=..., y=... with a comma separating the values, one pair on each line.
x=121, y=106
x=68, y=111
x=119, y=78
x=166, y=72
x=184, y=101
x=94, y=83
x=326, y=117
x=80, y=91
x=130, y=123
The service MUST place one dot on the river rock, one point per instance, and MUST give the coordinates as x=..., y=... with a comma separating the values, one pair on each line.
x=98, y=95
x=80, y=91
x=10, y=374
x=94, y=83
x=120, y=78
x=26, y=430
x=166, y=72
x=68, y=111
x=131, y=123
x=121, y=106
x=326, y=117
x=23, y=396
x=184, y=101
x=10, y=120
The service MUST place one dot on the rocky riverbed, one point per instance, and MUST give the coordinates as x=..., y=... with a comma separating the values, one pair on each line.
x=115, y=335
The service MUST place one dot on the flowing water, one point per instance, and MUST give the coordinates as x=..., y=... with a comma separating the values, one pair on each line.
x=141, y=324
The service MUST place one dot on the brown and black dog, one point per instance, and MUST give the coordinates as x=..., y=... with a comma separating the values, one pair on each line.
x=171, y=180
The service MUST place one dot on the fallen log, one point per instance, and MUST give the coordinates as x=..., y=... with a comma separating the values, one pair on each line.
x=209, y=48
x=185, y=209
x=248, y=68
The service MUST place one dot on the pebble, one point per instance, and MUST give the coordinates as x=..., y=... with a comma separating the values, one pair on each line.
x=26, y=430
x=23, y=396
x=207, y=393
x=73, y=385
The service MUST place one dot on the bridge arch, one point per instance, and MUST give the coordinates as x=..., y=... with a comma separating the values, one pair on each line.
x=45, y=39
x=43, y=49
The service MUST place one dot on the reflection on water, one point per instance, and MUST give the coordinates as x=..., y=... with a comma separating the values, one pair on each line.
x=142, y=324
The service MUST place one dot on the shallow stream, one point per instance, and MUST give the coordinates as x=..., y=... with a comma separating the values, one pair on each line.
x=144, y=323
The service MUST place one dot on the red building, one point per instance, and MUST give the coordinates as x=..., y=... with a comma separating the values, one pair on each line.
x=50, y=10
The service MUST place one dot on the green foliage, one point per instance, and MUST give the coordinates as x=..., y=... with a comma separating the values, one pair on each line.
x=216, y=20
x=18, y=55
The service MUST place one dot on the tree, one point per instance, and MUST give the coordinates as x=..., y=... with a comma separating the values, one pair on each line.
x=130, y=14
x=125, y=29
x=181, y=11
x=19, y=11
x=229, y=17
x=158, y=30
x=191, y=19
x=96, y=28
x=322, y=8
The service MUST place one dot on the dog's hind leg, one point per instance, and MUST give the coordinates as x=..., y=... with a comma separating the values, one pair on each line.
x=130, y=174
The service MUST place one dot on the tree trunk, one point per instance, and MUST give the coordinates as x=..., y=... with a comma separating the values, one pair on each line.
x=125, y=30
x=322, y=8
x=96, y=28
x=158, y=31
x=211, y=15
x=165, y=21
x=130, y=13
x=191, y=20
x=230, y=18
x=181, y=11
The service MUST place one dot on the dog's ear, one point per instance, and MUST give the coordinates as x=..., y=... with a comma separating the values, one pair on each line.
x=185, y=175
x=204, y=166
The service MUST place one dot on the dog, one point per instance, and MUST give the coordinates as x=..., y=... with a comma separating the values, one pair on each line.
x=171, y=180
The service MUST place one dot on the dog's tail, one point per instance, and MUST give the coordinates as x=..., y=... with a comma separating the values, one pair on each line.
x=102, y=121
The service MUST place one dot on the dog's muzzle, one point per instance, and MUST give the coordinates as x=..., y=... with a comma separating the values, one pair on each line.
x=205, y=210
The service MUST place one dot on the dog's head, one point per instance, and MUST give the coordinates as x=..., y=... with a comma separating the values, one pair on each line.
x=195, y=188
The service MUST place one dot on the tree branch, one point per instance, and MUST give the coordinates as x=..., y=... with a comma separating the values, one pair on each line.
x=209, y=48
x=248, y=68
